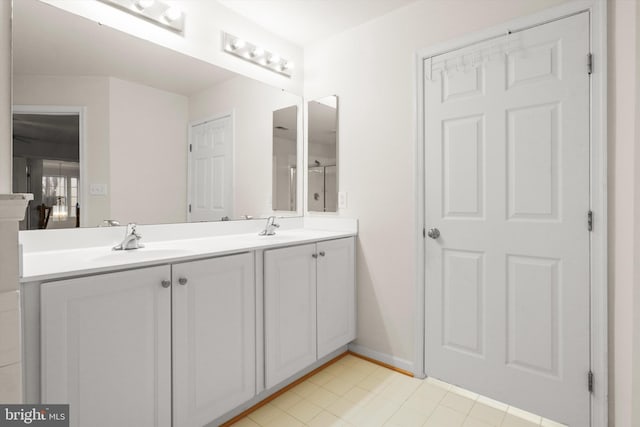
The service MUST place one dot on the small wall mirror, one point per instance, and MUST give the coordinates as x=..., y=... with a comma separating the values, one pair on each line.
x=285, y=158
x=323, y=155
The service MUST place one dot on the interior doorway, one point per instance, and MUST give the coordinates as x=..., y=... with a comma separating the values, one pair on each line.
x=47, y=163
x=210, y=185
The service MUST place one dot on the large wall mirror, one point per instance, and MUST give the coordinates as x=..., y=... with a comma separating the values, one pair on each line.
x=322, y=191
x=109, y=126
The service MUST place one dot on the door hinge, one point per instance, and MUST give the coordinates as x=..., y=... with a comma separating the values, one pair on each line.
x=589, y=63
x=590, y=381
x=190, y=148
x=590, y=220
x=189, y=207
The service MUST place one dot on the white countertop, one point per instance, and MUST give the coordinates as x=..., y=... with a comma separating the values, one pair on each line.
x=13, y=206
x=56, y=264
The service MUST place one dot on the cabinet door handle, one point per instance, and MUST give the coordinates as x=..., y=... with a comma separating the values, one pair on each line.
x=321, y=253
x=182, y=281
x=166, y=283
x=314, y=255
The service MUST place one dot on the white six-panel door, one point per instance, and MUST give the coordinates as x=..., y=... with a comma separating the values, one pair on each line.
x=211, y=170
x=507, y=187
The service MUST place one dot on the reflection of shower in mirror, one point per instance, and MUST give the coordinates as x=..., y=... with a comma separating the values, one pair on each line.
x=322, y=185
x=285, y=159
x=323, y=155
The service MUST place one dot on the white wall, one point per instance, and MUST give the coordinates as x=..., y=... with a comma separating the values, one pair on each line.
x=148, y=151
x=635, y=392
x=89, y=92
x=371, y=69
x=10, y=354
x=252, y=104
x=5, y=97
x=623, y=241
x=204, y=22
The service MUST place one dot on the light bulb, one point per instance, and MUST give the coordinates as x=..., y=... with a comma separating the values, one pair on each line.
x=172, y=14
x=257, y=51
x=274, y=58
x=237, y=44
x=144, y=4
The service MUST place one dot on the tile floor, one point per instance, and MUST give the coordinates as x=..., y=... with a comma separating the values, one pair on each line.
x=358, y=393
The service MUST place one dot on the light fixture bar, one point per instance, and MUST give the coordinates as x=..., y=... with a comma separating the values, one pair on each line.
x=155, y=11
x=256, y=54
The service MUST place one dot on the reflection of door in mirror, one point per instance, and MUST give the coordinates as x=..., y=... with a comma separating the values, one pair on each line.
x=285, y=157
x=211, y=170
x=323, y=155
x=46, y=162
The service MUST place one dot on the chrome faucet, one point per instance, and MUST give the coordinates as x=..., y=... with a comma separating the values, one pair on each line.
x=270, y=228
x=109, y=223
x=131, y=239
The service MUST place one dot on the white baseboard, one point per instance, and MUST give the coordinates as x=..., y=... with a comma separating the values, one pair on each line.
x=394, y=361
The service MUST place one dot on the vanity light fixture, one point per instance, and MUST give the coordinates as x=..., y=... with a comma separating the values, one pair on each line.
x=256, y=54
x=155, y=11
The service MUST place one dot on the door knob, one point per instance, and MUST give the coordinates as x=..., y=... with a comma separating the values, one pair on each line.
x=166, y=283
x=321, y=253
x=434, y=233
x=314, y=255
x=182, y=281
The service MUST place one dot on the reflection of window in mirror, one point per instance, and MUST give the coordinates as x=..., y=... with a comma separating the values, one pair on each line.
x=323, y=155
x=46, y=162
x=285, y=158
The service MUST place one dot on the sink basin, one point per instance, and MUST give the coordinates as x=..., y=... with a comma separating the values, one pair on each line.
x=142, y=254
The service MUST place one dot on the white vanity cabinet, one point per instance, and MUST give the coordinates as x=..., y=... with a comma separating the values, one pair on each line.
x=309, y=305
x=187, y=341
x=111, y=343
x=289, y=311
x=106, y=347
x=214, y=339
x=336, y=293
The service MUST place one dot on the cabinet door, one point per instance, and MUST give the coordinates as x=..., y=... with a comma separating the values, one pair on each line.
x=106, y=348
x=336, y=295
x=290, y=311
x=213, y=337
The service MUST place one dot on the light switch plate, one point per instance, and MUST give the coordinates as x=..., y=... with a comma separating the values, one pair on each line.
x=342, y=200
x=98, y=189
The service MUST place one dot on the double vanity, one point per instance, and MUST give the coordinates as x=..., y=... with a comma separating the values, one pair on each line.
x=201, y=323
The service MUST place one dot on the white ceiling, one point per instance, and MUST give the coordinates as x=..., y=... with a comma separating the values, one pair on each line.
x=303, y=22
